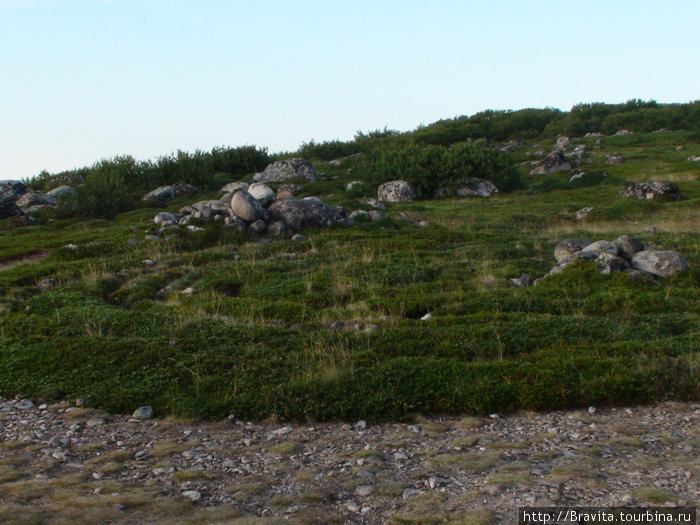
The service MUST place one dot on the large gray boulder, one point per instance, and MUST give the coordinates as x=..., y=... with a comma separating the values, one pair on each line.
x=182, y=188
x=555, y=161
x=287, y=169
x=396, y=191
x=651, y=190
x=627, y=246
x=10, y=209
x=299, y=214
x=567, y=247
x=61, y=191
x=247, y=207
x=35, y=198
x=11, y=190
x=601, y=247
x=262, y=192
x=233, y=187
x=161, y=194
x=661, y=263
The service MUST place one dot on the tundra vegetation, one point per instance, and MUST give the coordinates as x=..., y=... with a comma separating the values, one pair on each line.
x=219, y=322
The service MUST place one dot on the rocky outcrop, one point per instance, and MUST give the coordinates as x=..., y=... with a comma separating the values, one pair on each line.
x=10, y=209
x=624, y=132
x=12, y=190
x=396, y=191
x=35, y=198
x=287, y=169
x=233, y=187
x=555, y=161
x=624, y=254
x=651, y=190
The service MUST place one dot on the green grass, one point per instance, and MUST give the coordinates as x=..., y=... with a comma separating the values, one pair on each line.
x=580, y=338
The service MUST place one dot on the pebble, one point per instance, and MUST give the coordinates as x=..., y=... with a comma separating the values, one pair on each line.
x=194, y=495
x=364, y=490
x=407, y=493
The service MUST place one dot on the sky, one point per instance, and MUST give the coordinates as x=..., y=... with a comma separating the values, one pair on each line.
x=83, y=80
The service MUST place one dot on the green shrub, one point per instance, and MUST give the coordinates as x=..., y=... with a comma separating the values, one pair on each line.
x=431, y=168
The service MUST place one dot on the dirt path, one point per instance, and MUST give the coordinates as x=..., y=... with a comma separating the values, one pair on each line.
x=69, y=464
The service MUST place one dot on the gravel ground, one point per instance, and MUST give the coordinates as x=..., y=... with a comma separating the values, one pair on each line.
x=62, y=463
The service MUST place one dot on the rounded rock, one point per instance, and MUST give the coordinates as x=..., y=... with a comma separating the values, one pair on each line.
x=144, y=412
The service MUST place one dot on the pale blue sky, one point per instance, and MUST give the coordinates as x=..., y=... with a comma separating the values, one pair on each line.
x=83, y=80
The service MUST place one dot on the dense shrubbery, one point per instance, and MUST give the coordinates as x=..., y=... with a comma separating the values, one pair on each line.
x=430, y=168
x=198, y=168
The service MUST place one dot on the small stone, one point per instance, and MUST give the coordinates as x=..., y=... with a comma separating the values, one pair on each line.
x=25, y=404
x=149, y=262
x=352, y=506
x=97, y=475
x=407, y=493
x=399, y=456
x=194, y=495
x=141, y=454
x=493, y=490
x=361, y=424
x=364, y=490
x=282, y=431
x=98, y=491
x=41, y=476
x=144, y=412
x=94, y=422
x=591, y=410
x=426, y=316
x=80, y=402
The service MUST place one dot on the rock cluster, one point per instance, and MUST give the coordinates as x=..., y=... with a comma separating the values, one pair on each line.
x=17, y=200
x=614, y=158
x=624, y=254
x=257, y=208
x=651, y=190
x=470, y=187
x=555, y=161
x=282, y=170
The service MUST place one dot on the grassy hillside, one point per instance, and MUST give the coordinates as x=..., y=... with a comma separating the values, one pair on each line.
x=256, y=335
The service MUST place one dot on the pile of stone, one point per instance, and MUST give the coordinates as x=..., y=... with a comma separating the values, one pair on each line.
x=624, y=254
x=256, y=207
x=614, y=158
x=652, y=189
x=17, y=200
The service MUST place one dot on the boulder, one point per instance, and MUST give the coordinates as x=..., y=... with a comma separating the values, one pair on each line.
x=299, y=214
x=284, y=195
x=61, y=192
x=233, y=187
x=165, y=217
x=579, y=152
x=609, y=263
x=287, y=169
x=262, y=192
x=601, y=247
x=627, y=246
x=182, y=188
x=10, y=209
x=35, y=198
x=247, y=207
x=396, y=191
x=521, y=282
x=614, y=158
x=258, y=226
x=661, y=263
x=565, y=248
x=376, y=215
x=474, y=187
x=555, y=161
x=161, y=194
x=276, y=229
x=12, y=190
x=624, y=132
x=651, y=190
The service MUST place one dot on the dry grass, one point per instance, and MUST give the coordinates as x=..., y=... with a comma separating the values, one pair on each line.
x=464, y=461
x=183, y=476
x=168, y=448
x=654, y=495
